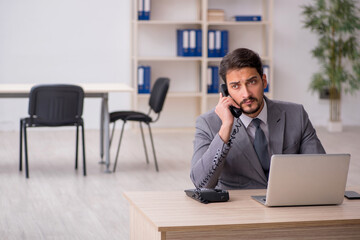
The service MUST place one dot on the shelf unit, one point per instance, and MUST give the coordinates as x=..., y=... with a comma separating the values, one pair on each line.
x=154, y=44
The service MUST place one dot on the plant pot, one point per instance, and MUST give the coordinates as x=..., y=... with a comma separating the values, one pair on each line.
x=335, y=126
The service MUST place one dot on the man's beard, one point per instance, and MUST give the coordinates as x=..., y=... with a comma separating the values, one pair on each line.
x=253, y=111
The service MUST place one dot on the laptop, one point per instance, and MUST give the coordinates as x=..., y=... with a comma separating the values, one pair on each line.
x=306, y=179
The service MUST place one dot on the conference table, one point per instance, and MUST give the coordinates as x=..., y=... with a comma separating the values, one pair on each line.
x=173, y=215
x=91, y=90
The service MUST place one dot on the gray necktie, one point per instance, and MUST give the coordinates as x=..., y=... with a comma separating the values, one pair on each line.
x=261, y=146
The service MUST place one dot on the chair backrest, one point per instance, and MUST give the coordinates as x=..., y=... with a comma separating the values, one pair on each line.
x=158, y=94
x=56, y=104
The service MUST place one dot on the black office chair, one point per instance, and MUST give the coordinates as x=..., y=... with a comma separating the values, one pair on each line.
x=54, y=106
x=156, y=102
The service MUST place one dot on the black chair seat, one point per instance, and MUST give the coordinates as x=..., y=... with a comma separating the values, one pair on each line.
x=130, y=116
x=38, y=122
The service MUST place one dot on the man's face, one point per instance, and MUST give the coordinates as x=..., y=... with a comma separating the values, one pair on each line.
x=246, y=87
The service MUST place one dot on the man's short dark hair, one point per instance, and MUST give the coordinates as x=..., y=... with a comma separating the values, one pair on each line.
x=240, y=58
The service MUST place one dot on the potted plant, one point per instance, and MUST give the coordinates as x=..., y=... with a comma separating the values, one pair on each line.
x=337, y=23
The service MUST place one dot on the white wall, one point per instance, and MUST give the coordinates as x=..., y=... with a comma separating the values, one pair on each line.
x=89, y=41
x=68, y=41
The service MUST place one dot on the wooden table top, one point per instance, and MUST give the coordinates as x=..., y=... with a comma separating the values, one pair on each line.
x=174, y=211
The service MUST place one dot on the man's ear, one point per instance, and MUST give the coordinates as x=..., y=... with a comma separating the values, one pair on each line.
x=264, y=79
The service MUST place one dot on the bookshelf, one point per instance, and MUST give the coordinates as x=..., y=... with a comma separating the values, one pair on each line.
x=154, y=43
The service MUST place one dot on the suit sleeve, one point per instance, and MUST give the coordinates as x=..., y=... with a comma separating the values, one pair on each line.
x=209, y=155
x=310, y=143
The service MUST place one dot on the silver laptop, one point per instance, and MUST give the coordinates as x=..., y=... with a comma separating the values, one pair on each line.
x=306, y=179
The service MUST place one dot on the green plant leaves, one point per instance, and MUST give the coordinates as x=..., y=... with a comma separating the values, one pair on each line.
x=337, y=24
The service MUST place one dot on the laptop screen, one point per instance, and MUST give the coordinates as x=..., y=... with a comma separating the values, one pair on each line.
x=307, y=179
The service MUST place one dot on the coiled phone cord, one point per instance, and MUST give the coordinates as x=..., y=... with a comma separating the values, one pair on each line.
x=220, y=155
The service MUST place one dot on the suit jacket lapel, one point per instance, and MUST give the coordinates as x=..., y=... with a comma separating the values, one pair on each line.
x=276, y=122
x=243, y=145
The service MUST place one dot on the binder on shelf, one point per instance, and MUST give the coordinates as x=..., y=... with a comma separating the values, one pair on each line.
x=198, y=51
x=140, y=9
x=247, y=18
x=147, y=77
x=213, y=79
x=140, y=79
x=266, y=71
x=218, y=43
x=189, y=42
x=185, y=46
x=211, y=43
x=192, y=42
x=144, y=10
x=179, y=39
x=183, y=42
x=144, y=79
x=225, y=43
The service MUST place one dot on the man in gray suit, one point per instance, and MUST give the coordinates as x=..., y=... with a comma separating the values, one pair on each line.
x=226, y=152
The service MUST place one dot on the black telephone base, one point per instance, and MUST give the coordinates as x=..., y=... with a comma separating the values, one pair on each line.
x=207, y=195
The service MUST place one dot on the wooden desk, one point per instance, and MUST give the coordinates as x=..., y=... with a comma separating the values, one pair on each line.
x=173, y=215
x=92, y=90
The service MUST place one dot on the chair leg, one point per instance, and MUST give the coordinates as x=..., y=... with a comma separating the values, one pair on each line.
x=118, y=148
x=20, y=150
x=145, y=148
x=112, y=135
x=77, y=147
x=83, y=145
x=26, y=152
x=152, y=143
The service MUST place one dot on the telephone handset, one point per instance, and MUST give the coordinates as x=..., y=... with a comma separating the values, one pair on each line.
x=236, y=112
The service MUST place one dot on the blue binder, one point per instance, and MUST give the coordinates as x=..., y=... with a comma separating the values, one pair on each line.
x=211, y=44
x=248, y=18
x=141, y=79
x=215, y=76
x=179, y=39
x=224, y=43
x=213, y=79
x=147, y=79
x=189, y=42
x=185, y=43
x=144, y=10
x=192, y=42
x=141, y=10
x=198, y=51
x=218, y=43
x=144, y=79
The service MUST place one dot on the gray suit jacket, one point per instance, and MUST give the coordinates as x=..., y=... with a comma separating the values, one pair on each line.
x=235, y=165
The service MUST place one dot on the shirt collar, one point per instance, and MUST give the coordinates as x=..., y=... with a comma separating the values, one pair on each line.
x=246, y=120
